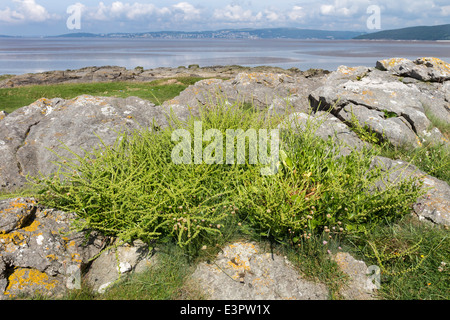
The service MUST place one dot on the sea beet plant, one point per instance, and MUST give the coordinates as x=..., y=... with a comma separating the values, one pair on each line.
x=133, y=189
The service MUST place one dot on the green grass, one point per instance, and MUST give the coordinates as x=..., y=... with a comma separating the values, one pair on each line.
x=156, y=91
x=414, y=258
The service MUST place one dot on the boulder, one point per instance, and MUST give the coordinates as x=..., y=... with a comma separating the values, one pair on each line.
x=324, y=125
x=279, y=92
x=392, y=109
x=39, y=252
x=423, y=69
x=361, y=284
x=30, y=136
x=434, y=206
x=116, y=263
x=115, y=73
x=242, y=271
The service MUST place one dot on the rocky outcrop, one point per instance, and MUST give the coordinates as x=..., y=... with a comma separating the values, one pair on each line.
x=38, y=251
x=392, y=109
x=114, y=73
x=30, y=136
x=434, y=206
x=424, y=69
x=242, y=271
x=362, y=283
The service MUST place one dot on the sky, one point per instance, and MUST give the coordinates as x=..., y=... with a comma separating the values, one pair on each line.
x=50, y=17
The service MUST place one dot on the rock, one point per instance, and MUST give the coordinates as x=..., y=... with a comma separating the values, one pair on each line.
x=361, y=285
x=379, y=100
x=39, y=253
x=114, y=73
x=115, y=263
x=30, y=134
x=423, y=69
x=280, y=92
x=325, y=125
x=434, y=206
x=242, y=272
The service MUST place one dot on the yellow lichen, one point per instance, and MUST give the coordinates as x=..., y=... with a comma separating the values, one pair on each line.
x=32, y=227
x=22, y=278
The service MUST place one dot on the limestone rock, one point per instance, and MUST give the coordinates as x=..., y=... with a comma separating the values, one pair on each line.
x=434, y=205
x=424, y=69
x=41, y=254
x=261, y=90
x=3, y=114
x=115, y=73
x=113, y=264
x=325, y=125
x=30, y=136
x=361, y=285
x=389, y=107
x=242, y=272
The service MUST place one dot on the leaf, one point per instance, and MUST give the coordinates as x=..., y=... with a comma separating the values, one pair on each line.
x=287, y=162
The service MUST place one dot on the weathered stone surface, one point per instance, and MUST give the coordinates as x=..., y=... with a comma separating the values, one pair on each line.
x=258, y=89
x=115, y=263
x=361, y=286
x=30, y=134
x=41, y=254
x=242, y=272
x=389, y=107
x=114, y=73
x=424, y=69
x=324, y=125
x=434, y=205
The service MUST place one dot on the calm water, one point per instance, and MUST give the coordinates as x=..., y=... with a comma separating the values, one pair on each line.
x=18, y=56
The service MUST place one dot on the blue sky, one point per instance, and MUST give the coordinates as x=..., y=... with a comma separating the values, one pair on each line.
x=48, y=17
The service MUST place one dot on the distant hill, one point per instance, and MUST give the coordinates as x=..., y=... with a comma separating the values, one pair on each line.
x=77, y=35
x=441, y=32
x=274, y=33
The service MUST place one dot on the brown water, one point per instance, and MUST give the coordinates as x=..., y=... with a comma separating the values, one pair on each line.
x=18, y=56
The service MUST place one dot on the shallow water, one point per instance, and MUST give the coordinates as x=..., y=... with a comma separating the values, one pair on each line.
x=18, y=56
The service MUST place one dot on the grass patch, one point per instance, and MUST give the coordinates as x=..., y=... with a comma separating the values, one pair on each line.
x=413, y=258
x=156, y=91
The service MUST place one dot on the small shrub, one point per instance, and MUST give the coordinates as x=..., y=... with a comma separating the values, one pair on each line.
x=133, y=189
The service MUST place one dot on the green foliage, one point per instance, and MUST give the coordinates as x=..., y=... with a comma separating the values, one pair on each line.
x=413, y=258
x=133, y=190
x=156, y=91
x=316, y=188
x=363, y=131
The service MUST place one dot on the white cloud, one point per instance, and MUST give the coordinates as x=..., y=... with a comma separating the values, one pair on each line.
x=26, y=11
x=186, y=11
x=127, y=11
x=296, y=13
x=445, y=11
x=344, y=8
x=236, y=13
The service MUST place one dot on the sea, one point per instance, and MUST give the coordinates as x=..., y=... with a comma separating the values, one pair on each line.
x=31, y=55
